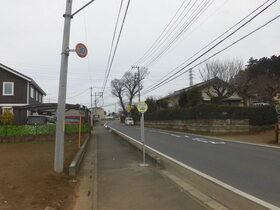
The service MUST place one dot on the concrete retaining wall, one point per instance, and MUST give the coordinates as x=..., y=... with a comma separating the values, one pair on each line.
x=212, y=126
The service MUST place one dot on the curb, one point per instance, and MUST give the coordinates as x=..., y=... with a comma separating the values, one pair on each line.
x=76, y=162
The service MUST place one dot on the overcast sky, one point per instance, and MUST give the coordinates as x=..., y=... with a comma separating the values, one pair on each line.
x=31, y=39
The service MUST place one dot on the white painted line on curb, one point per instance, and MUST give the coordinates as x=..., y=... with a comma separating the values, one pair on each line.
x=231, y=188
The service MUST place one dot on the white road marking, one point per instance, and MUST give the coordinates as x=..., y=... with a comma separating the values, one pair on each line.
x=207, y=141
x=187, y=136
x=214, y=142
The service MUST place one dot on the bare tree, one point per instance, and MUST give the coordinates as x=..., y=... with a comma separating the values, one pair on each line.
x=266, y=87
x=132, y=81
x=243, y=86
x=118, y=90
x=221, y=77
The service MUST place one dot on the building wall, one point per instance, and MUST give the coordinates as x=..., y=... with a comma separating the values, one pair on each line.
x=33, y=99
x=20, y=88
x=98, y=111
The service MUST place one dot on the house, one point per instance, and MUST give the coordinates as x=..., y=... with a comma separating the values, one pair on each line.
x=98, y=113
x=16, y=90
x=205, y=88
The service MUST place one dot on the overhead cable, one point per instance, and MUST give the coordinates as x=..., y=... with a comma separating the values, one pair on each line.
x=235, y=42
x=213, y=46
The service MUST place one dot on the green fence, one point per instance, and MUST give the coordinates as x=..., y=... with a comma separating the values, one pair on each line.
x=38, y=130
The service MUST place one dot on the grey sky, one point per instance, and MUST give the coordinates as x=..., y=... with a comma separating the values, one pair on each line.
x=31, y=37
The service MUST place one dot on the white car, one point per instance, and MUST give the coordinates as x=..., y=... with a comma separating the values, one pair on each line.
x=129, y=121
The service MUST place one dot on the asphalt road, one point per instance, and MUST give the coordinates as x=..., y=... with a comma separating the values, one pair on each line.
x=250, y=168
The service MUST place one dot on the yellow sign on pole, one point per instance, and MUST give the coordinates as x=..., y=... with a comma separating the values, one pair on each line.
x=142, y=107
x=128, y=108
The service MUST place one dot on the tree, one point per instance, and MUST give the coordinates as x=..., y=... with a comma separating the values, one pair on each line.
x=132, y=81
x=194, y=96
x=7, y=118
x=220, y=76
x=152, y=104
x=118, y=90
x=183, y=100
x=266, y=87
x=260, y=79
x=243, y=86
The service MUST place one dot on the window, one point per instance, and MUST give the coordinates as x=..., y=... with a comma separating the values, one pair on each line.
x=37, y=98
x=40, y=98
x=8, y=88
x=31, y=92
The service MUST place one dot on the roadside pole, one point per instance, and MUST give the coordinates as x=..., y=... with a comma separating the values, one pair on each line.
x=143, y=139
x=81, y=51
x=143, y=107
x=59, y=142
x=80, y=131
x=277, y=129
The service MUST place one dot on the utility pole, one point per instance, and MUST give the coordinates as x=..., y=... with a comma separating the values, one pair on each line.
x=91, y=113
x=91, y=97
x=138, y=69
x=191, y=77
x=95, y=101
x=59, y=136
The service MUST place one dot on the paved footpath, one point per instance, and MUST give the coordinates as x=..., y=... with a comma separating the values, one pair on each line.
x=123, y=185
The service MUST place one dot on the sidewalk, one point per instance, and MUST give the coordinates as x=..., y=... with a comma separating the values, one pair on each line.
x=122, y=184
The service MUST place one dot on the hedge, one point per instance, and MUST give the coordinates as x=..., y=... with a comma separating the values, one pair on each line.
x=38, y=130
x=257, y=115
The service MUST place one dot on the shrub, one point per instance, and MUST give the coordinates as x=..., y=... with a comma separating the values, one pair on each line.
x=39, y=130
x=261, y=115
x=7, y=118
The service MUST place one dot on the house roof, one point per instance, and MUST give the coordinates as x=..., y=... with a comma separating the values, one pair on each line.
x=198, y=85
x=29, y=79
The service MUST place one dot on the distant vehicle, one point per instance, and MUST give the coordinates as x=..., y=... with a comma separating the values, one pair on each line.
x=259, y=104
x=129, y=121
x=72, y=119
x=40, y=120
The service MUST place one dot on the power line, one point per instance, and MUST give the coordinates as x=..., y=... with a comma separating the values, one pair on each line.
x=154, y=86
x=163, y=32
x=216, y=39
x=235, y=42
x=112, y=43
x=171, y=35
x=182, y=30
x=116, y=46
